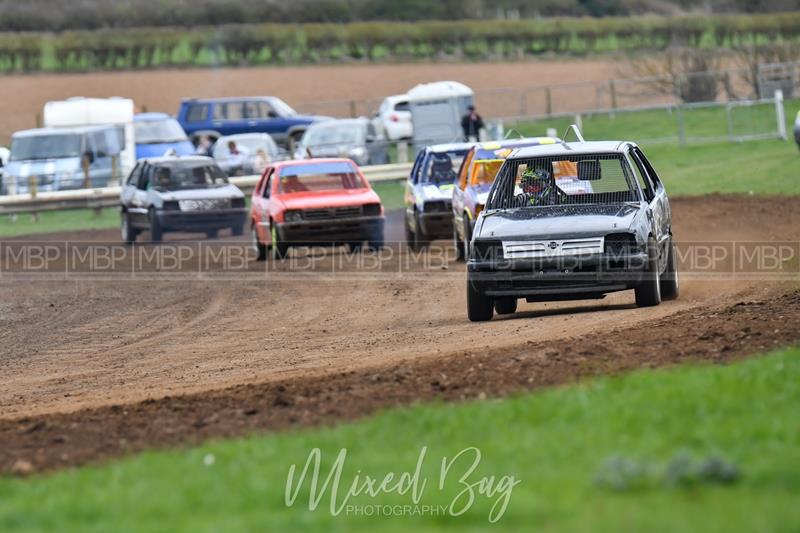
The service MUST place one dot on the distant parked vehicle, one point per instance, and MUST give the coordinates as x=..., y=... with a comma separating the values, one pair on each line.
x=315, y=202
x=215, y=117
x=53, y=159
x=393, y=118
x=179, y=194
x=797, y=130
x=4, y=153
x=429, y=193
x=159, y=134
x=474, y=181
x=256, y=151
x=79, y=112
x=353, y=138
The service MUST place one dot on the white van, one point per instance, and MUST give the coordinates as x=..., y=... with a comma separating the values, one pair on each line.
x=80, y=111
x=436, y=111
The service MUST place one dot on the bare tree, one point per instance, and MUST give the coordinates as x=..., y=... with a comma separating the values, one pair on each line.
x=690, y=74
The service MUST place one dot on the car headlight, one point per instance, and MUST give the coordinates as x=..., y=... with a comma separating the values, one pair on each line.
x=372, y=210
x=358, y=153
x=293, y=215
x=237, y=202
x=171, y=205
x=487, y=250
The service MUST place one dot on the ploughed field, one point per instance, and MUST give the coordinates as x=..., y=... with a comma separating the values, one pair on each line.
x=162, y=345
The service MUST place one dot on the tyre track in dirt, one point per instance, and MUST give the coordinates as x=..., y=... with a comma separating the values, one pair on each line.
x=78, y=352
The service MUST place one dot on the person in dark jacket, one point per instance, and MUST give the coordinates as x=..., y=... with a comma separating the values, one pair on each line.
x=471, y=123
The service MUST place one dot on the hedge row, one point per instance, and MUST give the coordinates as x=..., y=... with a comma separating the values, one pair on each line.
x=247, y=44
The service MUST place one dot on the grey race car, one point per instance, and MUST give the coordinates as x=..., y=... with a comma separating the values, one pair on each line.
x=179, y=194
x=572, y=221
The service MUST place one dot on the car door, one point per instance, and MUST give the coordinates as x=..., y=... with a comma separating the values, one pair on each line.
x=229, y=117
x=409, y=198
x=261, y=205
x=460, y=194
x=137, y=204
x=658, y=205
x=129, y=186
x=266, y=118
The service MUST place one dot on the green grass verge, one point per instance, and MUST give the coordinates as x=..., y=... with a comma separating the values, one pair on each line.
x=628, y=452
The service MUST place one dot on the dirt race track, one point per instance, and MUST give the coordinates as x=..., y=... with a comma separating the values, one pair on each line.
x=101, y=364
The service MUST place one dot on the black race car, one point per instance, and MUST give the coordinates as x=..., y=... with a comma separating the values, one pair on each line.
x=571, y=221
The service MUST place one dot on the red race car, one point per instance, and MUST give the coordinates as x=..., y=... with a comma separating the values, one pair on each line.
x=314, y=202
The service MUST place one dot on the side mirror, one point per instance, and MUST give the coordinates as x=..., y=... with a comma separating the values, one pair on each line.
x=272, y=114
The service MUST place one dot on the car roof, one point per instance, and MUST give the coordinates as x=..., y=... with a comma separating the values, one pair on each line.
x=227, y=99
x=178, y=159
x=71, y=129
x=567, y=148
x=295, y=162
x=449, y=147
x=152, y=115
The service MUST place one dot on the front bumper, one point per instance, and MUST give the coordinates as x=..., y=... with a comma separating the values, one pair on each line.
x=563, y=278
x=436, y=224
x=333, y=231
x=201, y=220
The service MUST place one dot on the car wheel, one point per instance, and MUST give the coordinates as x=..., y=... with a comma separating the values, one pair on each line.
x=648, y=293
x=129, y=233
x=259, y=248
x=156, y=233
x=411, y=238
x=461, y=254
x=238, y=230
x=376, y=241
x=467, y=236
x=505, y=305
x=279, y=249
x=211, y=234
x=670, y=281
x=480, y=307
x=420, y=239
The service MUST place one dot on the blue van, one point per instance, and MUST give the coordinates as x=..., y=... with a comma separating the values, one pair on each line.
x=158, y=133
x=53, y=158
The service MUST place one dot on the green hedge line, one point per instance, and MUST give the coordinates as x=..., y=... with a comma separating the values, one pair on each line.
x=248, y=44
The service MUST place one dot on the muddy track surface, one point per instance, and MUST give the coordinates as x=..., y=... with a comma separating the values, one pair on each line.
x=96, y=366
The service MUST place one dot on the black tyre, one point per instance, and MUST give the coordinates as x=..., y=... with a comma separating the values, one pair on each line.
x=466, y=236
x=461, y=252
x=480, y=307
x=279, y=249
x=670, y=281
x=411, y=239
x=129, y=233
x=355, y=247
x=505, y=306
x=156, y=233
x=648, y=293
x=376, y=240
x=259, y=248
x=211, y=233
x=238, y=230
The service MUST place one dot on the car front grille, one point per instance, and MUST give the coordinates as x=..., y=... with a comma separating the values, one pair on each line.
x=552, y=248
x=332, y=213
x=204, y=205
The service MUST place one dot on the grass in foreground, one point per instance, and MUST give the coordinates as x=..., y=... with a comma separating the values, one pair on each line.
x=709, y=448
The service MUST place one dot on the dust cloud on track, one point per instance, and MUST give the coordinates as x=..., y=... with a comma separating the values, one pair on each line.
x=310, y=347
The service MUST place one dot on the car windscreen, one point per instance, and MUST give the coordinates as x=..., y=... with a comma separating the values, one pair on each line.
x=50, y=146
x=313, y=177
x=441, y=168
x=251, y=145
x=159, y=131
x=176, y=177
x=282, y=108
x=333, y=135
x=563, y=180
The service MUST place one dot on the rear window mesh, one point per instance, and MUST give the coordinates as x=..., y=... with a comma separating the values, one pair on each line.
x=573, y=179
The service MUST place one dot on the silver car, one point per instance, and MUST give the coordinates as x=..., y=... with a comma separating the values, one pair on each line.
x=179, y=194
x=352, y=138
x=246, y=154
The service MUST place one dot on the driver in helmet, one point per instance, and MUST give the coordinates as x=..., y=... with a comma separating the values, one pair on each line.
x=537, y=185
